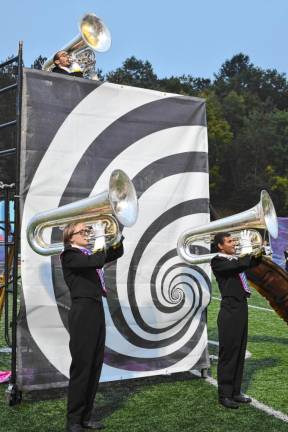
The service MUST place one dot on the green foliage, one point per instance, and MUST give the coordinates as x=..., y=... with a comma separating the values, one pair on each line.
x=134, y=72
x=261, y=141
x=254, y=103
x=220, y=137
x=185, y=85
x=234, y=110
x=279, y=185
x=247, y=126
x=240, y=75
x=215, y=180
x=38, y=62
x=140, y=73
x=219, y=131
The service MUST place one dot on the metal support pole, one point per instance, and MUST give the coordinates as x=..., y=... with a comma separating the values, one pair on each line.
x=13, y=393
x=6, y=269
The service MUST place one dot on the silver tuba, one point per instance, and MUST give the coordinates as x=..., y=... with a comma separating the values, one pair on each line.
x=94, y=37
x=261, y=216
x=117, y=205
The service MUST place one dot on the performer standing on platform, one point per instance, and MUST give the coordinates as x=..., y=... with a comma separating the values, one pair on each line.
x=233, y=315
x=83, y=275
x=64, y=65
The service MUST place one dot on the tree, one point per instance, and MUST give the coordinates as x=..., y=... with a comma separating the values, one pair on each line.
x=279, y=186
x=185, y=84
x=234, y=110
x=261, y=141
x=134, y=72
x=38, y=62
x=220, y=138
x=255, y=84
x=236, y=74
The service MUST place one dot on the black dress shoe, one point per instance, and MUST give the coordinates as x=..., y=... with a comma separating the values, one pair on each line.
x=228, y=403
x=74, y=428
x=242, y=399
x=92, y=425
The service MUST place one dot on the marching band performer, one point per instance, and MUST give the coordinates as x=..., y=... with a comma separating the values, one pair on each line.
x=82, y=270
x=232, y=322
x=64, y=65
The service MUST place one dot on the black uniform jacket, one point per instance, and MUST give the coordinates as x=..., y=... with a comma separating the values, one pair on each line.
x=80, y=273
x=57, y=69
x=227, y=272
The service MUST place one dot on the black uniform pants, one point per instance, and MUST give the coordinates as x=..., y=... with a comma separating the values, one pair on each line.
x=233, y=330
x=87, y=343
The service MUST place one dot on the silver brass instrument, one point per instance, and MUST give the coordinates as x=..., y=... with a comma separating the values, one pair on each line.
x=94, y=37
x=261, y=216
x=117, y=205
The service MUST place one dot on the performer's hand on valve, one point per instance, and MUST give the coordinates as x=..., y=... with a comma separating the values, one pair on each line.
x=74, y=65
x=245, y=243
x=118, y=239
x=99, y=232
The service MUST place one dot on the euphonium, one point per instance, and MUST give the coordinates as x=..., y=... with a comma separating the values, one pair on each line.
x=262, y=216
x=94, y=36
x=117, y=205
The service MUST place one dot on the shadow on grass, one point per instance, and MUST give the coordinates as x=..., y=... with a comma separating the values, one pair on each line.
x=268, y=339
x=252, y=366
x=35, y=396
x=113, y=395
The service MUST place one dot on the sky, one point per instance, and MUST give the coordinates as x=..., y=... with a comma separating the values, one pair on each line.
x=176, y=37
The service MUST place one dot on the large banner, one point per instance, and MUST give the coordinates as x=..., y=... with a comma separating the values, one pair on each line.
x=75, y=133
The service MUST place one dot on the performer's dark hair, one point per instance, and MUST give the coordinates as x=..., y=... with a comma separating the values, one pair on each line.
x=57, y=55
x=68, y=232
x=219, y=238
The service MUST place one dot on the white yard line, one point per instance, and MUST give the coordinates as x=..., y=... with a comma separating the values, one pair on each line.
x=262, y=407
x=6, y=350
x=211, y=342
x=259, y=405
x=250, y=306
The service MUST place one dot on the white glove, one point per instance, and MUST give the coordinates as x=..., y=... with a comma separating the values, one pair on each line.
x=75, y=67
x=99, y=233
x=117, y=238
x=245, y=243
x=268, y=250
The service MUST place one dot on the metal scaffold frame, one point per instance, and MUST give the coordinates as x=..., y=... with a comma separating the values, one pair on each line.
x=11, y=192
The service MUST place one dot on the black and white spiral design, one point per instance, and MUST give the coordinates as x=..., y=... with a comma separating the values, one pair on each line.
x=156, y=308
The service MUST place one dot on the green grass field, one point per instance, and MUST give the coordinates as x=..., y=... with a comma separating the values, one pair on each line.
x=180, y=402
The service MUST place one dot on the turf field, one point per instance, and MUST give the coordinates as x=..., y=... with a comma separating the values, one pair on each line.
x=181, y=402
